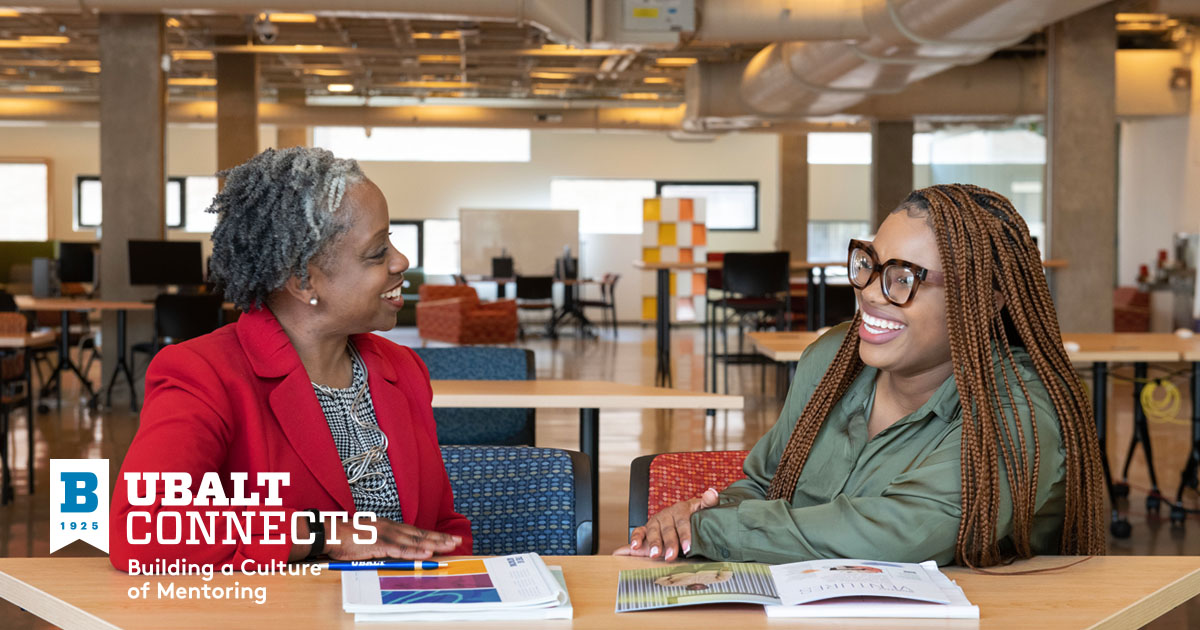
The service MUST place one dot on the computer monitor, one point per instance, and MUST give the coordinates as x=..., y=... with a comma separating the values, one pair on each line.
x=166, y=262
x=77, y=262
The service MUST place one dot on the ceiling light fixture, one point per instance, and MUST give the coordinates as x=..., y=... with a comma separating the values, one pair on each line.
x=640, y=96
x=439, y=59
x=192, y=81
x=173, y=23
x=656, y=80
x=435, y=84
x=45, y=39
x=340, y=87
x=192, y=55
x=9, y=13
x=328, y=72
x=44, y=89
x=288, y=18
x=675, y=61
x=552, y=76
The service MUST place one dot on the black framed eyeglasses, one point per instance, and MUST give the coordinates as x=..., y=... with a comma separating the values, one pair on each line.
x=900, y=278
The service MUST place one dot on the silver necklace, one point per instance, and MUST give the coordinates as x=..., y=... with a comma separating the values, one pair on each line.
x=361, y=478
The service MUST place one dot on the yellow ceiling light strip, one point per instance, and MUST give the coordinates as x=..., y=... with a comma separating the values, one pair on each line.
x=44, y=89
x=9, y=13
x=327, y=72
x=656, y=80
x=288, y=18
x=192, y=81
x=552, y=76
x=340, y=87
x=675, y=61
x=434, y=84
x=640, y=96
x=45, y=39
x=192, y=55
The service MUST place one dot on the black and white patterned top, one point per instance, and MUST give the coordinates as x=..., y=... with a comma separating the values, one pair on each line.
x=377, y=492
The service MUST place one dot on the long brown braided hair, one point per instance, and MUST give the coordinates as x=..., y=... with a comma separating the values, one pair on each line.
x=985, y=247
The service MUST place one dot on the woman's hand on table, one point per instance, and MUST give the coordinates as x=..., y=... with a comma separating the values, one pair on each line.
x=668, y=534
x=394, y=540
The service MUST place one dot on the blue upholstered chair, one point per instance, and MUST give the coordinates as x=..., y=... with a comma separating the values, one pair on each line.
x=505, y=427
x=523, y=499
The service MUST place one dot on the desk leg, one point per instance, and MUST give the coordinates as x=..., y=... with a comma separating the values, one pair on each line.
x=6, y=489
x=821, y=297
x=662, y=369
x=28, y=419
x=589, y=444
x=65, y=363
x=1191, y=472
x=1141, y=434
x=1119, y=526
x=121, y=366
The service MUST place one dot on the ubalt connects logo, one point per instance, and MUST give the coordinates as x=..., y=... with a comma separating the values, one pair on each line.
x=79, y=503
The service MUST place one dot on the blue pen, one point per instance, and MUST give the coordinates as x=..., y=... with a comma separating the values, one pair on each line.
x=387, y=565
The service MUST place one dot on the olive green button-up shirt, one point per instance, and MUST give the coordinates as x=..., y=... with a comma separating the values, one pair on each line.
x=892, y=497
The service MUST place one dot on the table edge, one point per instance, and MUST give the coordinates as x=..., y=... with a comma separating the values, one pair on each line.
x=47, y=607
x=1154, y=605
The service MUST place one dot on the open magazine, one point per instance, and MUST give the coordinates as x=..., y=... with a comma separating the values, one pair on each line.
x=817, y=588
x=502, y=588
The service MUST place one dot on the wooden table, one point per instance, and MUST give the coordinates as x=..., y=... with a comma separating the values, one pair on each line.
x=1108, y=593
x=67, y=305
x=587, y=396
x=11, y=345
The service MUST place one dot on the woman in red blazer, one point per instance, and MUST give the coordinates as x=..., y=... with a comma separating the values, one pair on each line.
x=296, y=386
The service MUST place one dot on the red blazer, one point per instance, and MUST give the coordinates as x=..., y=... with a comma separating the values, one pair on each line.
x=239, y=400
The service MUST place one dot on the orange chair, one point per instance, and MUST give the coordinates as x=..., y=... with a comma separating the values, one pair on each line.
x=454, y=314
x=661, y=480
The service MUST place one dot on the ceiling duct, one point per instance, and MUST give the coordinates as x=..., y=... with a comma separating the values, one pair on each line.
x=894, y=43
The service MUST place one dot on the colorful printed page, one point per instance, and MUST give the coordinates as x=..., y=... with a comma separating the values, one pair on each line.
x=690, y=584
x=517, y=581
x=565, y=611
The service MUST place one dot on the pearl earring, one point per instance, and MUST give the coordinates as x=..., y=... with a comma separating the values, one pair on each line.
x=313, y=301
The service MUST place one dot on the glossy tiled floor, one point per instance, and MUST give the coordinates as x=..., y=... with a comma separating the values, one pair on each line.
x=76, y=432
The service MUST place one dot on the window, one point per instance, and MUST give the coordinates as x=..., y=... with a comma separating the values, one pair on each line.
x=1008, y=161
x=828, y=241
x=406, y=238
x=199, y=191
x=425, y=144
x=606, y=206
x=88, y=199
x=729, y=206
x=441, y=238
x=843, y=147
x=25, y=213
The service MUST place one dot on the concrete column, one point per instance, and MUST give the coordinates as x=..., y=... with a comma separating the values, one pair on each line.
x=132, y=160
x=793, y=194
x=287, y=135
x=891, y=166
x=1081, y=167
x=237, y=108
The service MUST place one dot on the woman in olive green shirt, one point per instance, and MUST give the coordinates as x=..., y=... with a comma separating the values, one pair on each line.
x=877, y=456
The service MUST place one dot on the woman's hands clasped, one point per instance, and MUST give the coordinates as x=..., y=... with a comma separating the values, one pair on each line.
x=669, y=531
x=394, y=540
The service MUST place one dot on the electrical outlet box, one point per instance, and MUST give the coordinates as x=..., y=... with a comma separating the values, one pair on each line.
x=659, y=16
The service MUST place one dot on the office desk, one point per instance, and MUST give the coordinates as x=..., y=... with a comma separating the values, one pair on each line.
x=65, y=306
x=12, y=345
x=1109, y=593
x=587, y=396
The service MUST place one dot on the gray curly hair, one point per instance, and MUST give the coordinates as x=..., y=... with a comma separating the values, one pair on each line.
x=276, y=214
